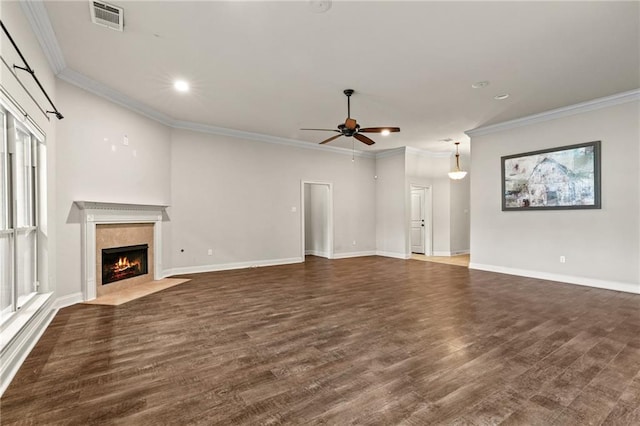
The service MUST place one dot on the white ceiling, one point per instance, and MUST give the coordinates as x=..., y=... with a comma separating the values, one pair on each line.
x=274, y=67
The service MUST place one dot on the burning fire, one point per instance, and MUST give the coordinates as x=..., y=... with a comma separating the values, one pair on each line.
x=123, y=264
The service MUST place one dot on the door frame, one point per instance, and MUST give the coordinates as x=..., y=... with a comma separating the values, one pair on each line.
x=428, y=212
x=329, y=216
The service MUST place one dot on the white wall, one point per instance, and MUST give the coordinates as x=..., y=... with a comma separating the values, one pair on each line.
x=236, y=197
x=392, y=235
x=316, y=221
x=601, y=246
x=94, y=165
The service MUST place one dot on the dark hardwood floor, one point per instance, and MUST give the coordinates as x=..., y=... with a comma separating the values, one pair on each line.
x=356, y=341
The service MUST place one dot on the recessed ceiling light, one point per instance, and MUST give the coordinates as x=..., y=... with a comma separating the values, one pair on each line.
x=385, y=132
x=501, y=97
x=445, y=140
x=181, y=86
x=480, y=84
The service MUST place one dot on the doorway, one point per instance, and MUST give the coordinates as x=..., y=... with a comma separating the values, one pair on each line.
x=317, y=219
x=421, y=236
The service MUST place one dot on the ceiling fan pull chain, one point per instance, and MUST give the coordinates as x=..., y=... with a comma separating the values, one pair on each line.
x=353, y=150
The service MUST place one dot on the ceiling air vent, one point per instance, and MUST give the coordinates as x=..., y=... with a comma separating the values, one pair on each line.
x=107, y=15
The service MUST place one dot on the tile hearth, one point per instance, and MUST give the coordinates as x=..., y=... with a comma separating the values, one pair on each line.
x=140, y=290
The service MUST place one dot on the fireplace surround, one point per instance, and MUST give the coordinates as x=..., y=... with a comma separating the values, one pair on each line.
x=123, y=218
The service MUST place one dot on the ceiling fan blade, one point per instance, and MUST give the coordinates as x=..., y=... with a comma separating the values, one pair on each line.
x=379, y=129
x=363, y=139
x=324, y=130
x=350, y=123
x=330, y=139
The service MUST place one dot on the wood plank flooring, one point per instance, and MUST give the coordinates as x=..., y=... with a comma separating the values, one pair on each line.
x=355, y=341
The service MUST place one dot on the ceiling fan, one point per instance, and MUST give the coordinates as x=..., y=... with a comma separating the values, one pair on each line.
x=352, y=128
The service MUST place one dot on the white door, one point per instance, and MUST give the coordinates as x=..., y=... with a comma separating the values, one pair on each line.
x=317, y=219
x=417, y=220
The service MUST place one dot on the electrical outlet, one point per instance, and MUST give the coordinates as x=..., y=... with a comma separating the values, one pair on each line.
x=354, y=242
x=563, y=259
x=125, y=140
x=210, y=252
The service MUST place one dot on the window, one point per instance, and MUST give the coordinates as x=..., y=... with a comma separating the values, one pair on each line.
x=18, y=216
x=6, y=235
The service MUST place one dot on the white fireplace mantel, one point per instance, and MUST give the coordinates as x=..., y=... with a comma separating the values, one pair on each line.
x=95, y=213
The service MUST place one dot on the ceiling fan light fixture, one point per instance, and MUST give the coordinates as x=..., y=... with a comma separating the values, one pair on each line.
x=351, y=128
x=457, y=173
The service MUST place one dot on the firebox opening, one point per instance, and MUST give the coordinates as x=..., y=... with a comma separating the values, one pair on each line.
x=120, y=263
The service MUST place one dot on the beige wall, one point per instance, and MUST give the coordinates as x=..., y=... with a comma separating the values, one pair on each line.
x=459, y=214
x=236, y=197
x=94, y=165
x=392, y=238
x=602, y=247
x=230, y=195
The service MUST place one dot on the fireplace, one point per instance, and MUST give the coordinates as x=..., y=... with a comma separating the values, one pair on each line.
x=106, y=225
x=121, y=263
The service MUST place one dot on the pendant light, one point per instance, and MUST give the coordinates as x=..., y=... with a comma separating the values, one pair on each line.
x=458, y=173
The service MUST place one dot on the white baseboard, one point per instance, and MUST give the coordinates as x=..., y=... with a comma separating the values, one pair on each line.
x=316, y=253
x=68, y=300
x=17, y=350
x=450, y=253
x=569, y=279
x=394, y=254
x=228, y=266
x=353, y=254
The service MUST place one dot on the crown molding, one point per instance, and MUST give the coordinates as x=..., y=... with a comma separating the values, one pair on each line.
x=607, y=101
x=79, y=80
x=90, y=85
x=259, y=137
x=36, y=13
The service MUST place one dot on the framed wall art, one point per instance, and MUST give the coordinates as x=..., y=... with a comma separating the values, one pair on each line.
x=561, y=178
